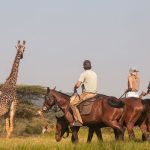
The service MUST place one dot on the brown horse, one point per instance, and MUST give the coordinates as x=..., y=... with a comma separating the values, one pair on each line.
x=134, y=115
x=102, y=112
x=62, y=127
x=147, y=105
x=143, y=121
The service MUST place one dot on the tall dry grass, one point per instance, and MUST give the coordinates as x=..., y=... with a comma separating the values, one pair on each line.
x=47, y=142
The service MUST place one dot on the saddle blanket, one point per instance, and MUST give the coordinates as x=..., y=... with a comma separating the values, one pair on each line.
x=86, y=106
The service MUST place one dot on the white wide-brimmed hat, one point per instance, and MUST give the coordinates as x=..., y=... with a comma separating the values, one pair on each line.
x=132, y=69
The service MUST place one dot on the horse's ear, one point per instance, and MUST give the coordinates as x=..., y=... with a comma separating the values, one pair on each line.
x=54, y=88
x=48, y=89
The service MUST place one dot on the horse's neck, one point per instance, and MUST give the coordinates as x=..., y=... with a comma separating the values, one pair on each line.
x=62, y=100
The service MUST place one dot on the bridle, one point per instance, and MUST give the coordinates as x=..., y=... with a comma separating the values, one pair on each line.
x=46, y=107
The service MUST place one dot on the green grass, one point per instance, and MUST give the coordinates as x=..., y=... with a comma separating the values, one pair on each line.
x=47, y=142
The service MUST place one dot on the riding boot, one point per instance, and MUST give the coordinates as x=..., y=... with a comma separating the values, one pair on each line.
x=69, y=118
x=77, y=116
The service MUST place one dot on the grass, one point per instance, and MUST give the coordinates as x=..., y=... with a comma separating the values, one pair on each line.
x=47, y=142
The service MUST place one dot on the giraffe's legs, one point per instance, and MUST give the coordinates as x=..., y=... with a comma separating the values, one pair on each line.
x=7, y=124
x=1, y=121
x=12, y=116
x=10, y=119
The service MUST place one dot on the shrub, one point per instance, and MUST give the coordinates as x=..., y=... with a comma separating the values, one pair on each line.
x=33, y=129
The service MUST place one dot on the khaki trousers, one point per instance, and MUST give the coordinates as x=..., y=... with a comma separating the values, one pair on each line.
x=75, y=100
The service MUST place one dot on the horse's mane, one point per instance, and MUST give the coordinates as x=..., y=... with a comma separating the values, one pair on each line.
x=101, y=95
x=64, y=94
x=68, y=96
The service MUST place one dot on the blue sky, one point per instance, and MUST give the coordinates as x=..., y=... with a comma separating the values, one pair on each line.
x=60, y=34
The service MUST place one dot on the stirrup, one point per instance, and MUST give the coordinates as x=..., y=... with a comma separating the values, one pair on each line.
x=77, y=123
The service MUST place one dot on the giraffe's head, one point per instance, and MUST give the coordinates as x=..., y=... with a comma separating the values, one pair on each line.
x=20, y=48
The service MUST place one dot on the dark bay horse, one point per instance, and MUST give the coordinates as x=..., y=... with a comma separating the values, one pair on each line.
x=147, y=105
x=62, y=127
x=144, y=121
x=131, y=116
x=102, y=112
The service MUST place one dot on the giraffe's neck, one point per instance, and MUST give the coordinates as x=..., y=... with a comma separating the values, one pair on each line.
x=12, y=79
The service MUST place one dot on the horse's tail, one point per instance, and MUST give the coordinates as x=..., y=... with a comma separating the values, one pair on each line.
x=146, y=103
x=114, y=102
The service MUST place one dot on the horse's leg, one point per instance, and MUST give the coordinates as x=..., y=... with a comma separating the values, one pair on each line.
x=98, y=133
x=133, y=113
x=119, y=130
x=130, y=126
x=131, y=122
x=90, y=134
x=74, y=137
x=148, y=127
x=118, y=134
x=115, y=125
x=144, y=129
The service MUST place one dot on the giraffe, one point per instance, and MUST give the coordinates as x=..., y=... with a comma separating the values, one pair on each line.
x=8, y=101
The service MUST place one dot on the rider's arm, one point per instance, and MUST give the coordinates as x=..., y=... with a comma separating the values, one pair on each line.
x=130, y=84
x=77, y=85
x=79, y=82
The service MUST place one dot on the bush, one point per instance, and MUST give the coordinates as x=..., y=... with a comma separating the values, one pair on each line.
x=27, y=89
x=25, y=109
x=33, y=129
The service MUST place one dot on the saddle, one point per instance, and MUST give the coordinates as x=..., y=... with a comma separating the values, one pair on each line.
x=86, y=106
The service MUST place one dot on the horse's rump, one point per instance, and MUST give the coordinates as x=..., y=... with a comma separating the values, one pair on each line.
x=146, y=103
x=146, y=111
x=114, y=102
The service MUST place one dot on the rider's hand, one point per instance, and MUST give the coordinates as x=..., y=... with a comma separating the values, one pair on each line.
x=75, y=90
x=128, y=90
x=143, y=93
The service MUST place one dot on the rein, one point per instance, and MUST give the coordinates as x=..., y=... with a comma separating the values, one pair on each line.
x=66, y=97
x=123, y=95
x=76, y=94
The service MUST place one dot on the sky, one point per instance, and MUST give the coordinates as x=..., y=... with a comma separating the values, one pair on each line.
x=61, y=34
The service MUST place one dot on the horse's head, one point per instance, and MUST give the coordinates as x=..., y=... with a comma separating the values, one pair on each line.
x=49, y=101
x=61, y=128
